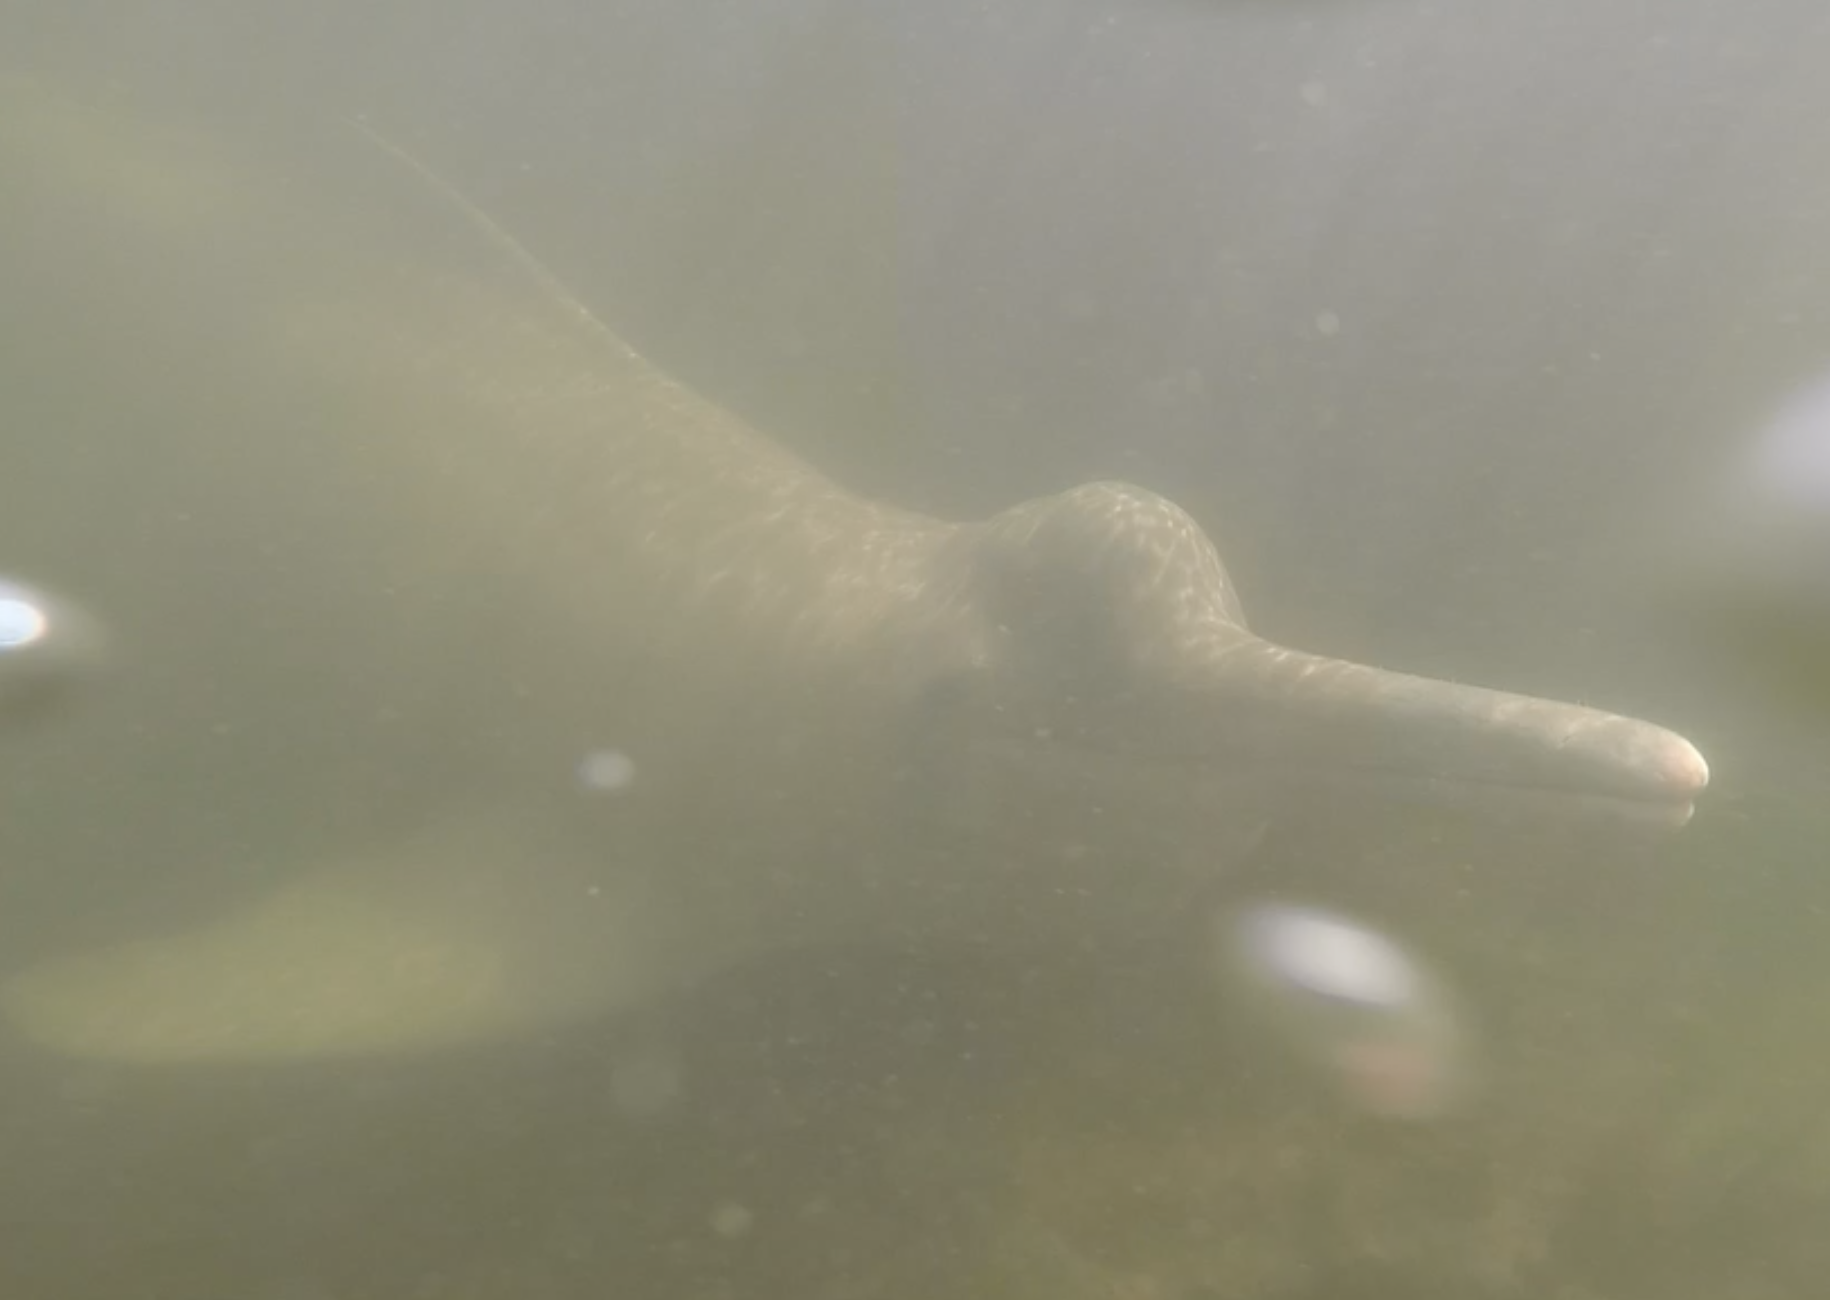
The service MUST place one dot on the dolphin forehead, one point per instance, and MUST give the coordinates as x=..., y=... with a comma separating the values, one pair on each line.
x=1122, y=633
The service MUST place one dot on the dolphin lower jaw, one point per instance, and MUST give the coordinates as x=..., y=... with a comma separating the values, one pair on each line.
x=1259, y=721
x=1296, y=707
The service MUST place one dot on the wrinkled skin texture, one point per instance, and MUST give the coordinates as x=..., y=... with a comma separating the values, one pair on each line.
x=1564, y=242
x=850, y=632
x=847, y=720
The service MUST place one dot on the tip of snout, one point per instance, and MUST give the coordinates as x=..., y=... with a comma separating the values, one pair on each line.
x=1681, y=768
x=1648, y=760
x=1631, y=759
x=1676, y=773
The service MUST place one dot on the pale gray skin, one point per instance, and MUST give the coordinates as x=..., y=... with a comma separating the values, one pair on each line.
x=391, y=532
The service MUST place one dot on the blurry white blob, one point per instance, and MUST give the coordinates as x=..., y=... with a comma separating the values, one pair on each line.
x=23, y=619
x=1789, y=461
x=1772, y=504
x=47, y=645
x=1353, y=1003
x=1752, y=558
x=605, y=771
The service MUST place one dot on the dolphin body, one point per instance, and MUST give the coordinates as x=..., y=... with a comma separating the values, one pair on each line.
x=392, y=535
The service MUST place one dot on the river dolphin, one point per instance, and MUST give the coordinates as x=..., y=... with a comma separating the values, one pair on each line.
x=474, y=675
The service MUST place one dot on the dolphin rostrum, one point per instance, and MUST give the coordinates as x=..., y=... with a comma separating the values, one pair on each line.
x=391, y=534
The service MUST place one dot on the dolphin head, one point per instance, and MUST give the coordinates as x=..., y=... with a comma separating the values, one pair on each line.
x=1116, y=693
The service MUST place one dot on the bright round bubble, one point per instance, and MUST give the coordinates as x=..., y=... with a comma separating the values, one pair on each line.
x=22, y=619
x=1353, y=1004
x=1330, y=955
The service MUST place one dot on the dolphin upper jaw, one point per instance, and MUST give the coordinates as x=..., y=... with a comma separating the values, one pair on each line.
x=1100, y=657
x=1380, y=724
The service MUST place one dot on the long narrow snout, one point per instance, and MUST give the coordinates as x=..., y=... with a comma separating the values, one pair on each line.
x=1125, y=598
x=1290, y=706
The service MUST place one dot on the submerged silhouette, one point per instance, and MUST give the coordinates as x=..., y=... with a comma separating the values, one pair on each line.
x=392, y=532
